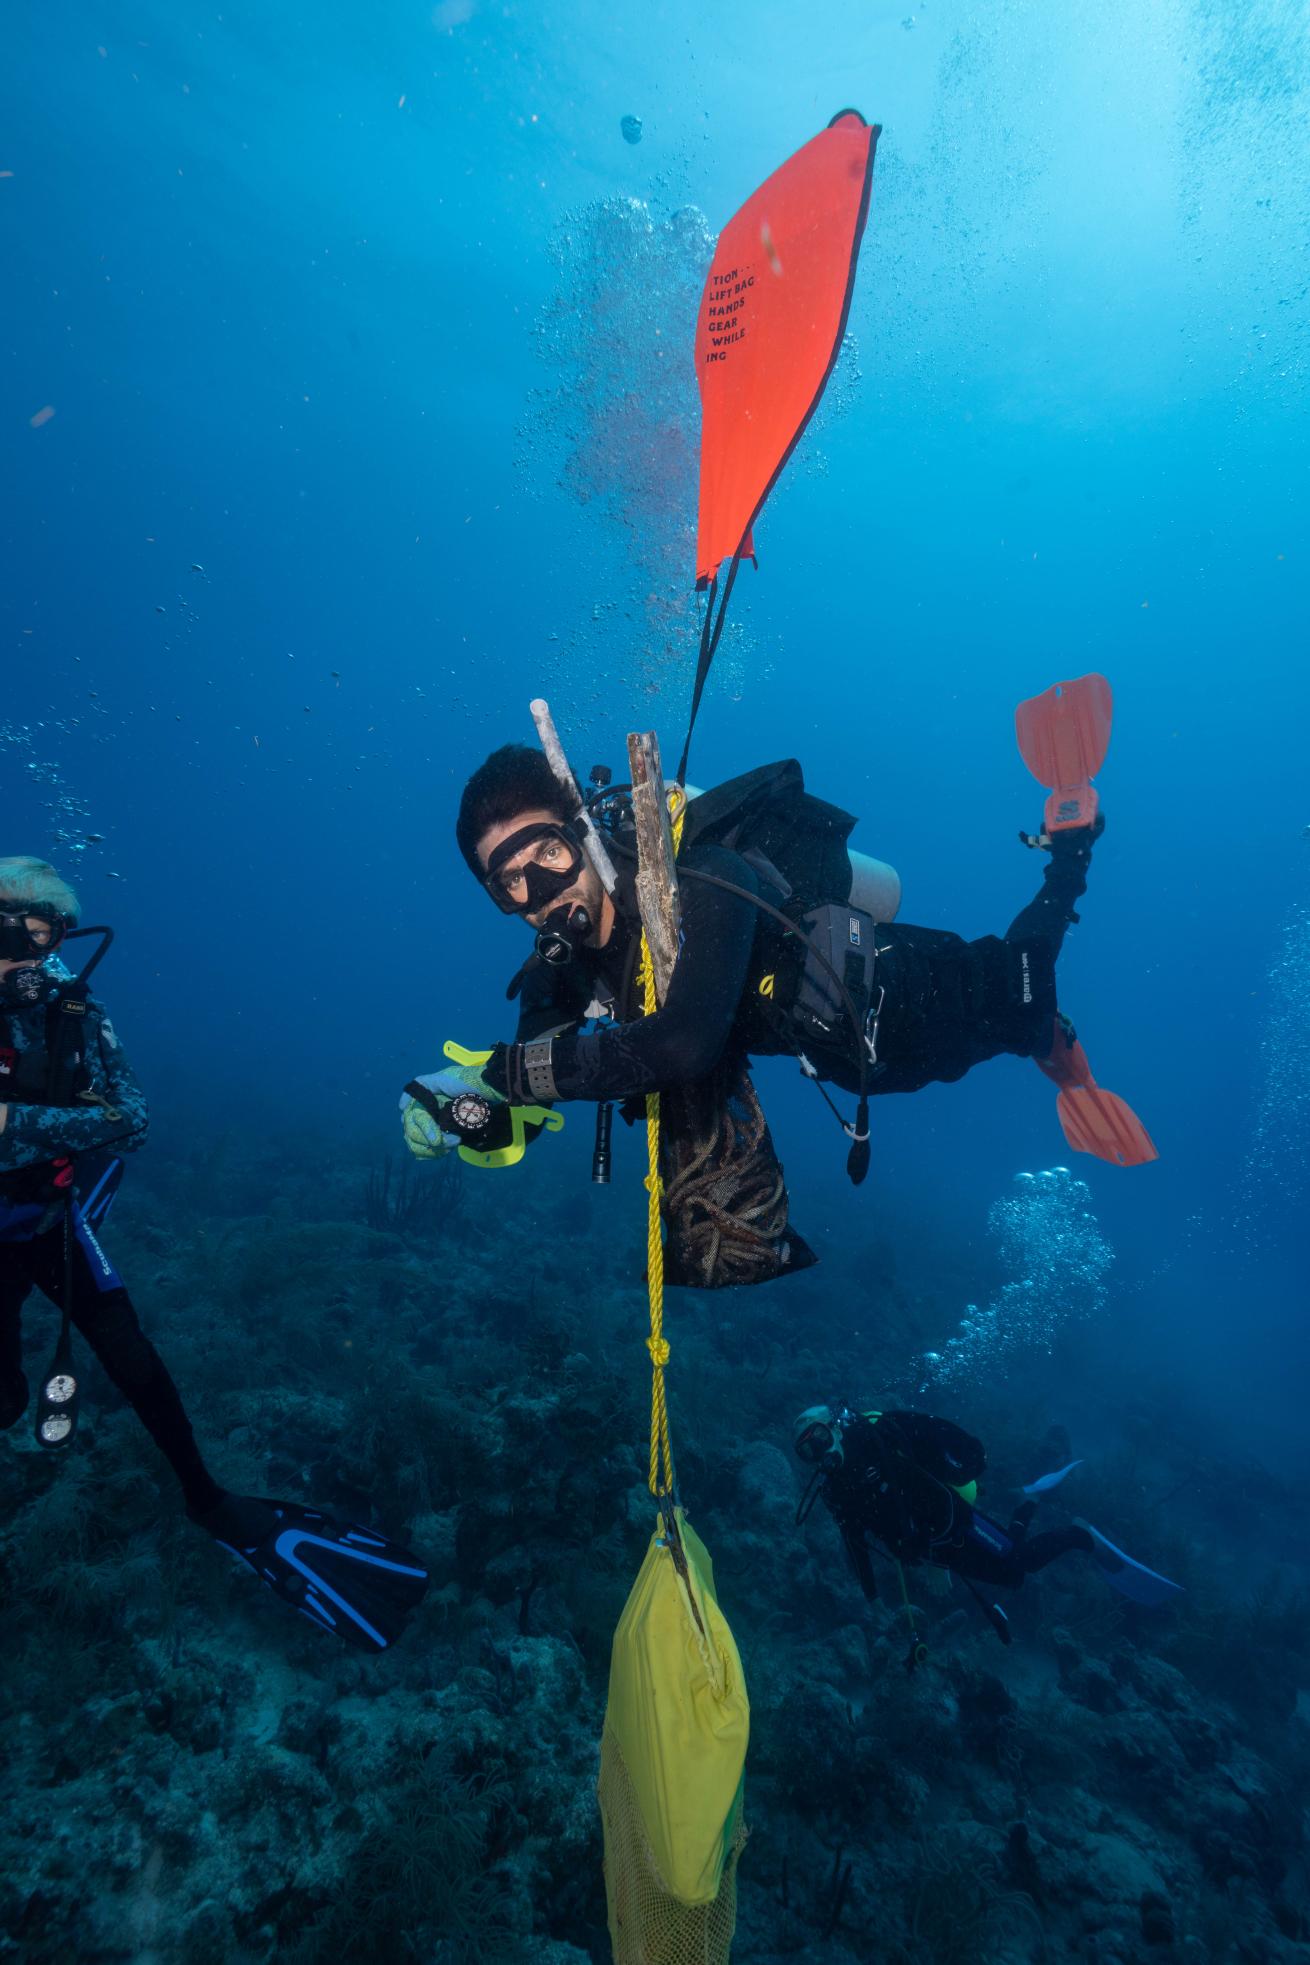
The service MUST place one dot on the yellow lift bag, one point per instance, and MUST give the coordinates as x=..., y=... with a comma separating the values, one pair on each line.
x=672, y=1758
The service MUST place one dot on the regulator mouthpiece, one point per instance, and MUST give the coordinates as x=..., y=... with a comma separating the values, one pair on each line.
x=562, y=934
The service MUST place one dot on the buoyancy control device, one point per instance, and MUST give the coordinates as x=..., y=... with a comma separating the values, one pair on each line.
x=53, y=1073
x=824, y=901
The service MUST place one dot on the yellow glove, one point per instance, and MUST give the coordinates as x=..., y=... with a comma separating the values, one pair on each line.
x=429, y=1115
x=423, y=1136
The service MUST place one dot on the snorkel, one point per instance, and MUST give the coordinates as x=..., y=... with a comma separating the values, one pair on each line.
x=567, y=927
x=592, y=841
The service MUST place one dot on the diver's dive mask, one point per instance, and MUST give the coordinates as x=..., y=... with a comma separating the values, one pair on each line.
x=817, y=1436
x=549, y=856
x=18, y=942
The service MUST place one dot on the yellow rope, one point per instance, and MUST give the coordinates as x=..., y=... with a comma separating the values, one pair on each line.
x=661, y=1449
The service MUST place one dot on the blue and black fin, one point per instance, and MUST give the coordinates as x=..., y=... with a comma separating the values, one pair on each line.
x=349, y=1579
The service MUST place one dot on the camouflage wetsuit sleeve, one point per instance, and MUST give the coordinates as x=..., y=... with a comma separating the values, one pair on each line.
x=34, y=1134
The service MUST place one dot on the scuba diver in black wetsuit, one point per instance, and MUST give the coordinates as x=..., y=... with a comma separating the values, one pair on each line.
x=905, y=1485
x=69, y=1105
x=777, y=955
x=947, y=1004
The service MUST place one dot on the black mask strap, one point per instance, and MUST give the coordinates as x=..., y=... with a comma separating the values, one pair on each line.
x=542, y=884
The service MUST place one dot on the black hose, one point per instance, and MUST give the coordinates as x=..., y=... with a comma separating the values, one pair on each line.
x=106, y=937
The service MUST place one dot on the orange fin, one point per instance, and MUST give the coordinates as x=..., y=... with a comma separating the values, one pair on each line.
x=1099, y=1122
x=1063, y=736
x=1094, y=1120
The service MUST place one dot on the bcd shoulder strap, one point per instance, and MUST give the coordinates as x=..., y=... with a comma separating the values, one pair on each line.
x=65, y=1036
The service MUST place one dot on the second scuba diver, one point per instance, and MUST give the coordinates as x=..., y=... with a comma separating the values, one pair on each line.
x=778, y=955
x=69, y=1106
x=904, y=1485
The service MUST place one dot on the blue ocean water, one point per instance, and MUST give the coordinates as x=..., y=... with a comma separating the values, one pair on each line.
x=348, y=405
x=281, y=284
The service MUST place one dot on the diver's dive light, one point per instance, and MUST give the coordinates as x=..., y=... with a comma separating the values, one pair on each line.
x=602, y=1158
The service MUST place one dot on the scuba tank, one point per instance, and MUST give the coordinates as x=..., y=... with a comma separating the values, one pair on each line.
x=875, y=887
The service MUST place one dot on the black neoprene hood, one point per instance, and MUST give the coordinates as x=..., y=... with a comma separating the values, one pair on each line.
x=515, y=779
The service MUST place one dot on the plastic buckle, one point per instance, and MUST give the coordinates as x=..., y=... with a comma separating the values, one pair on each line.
x=871, y=1023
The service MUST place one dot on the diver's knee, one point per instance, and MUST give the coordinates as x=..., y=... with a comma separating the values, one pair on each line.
x=114, y=1332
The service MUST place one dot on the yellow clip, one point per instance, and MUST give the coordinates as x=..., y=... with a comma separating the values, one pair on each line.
x=520, y=1118
x=766, y=985
x=458, y=1055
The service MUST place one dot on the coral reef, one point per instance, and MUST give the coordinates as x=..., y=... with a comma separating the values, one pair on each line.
x=195, y=1777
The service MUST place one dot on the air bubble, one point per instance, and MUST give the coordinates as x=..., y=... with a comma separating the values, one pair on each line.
x=1058, y=1262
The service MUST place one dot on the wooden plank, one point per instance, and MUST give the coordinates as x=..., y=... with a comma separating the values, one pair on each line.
x=657, y=879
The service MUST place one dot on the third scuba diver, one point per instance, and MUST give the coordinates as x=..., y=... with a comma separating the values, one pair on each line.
x=905, y=1485
x=70, y=1104
x=779, y=954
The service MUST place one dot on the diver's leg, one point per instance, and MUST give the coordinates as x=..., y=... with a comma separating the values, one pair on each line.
x=1052, y=910
x=1036, y=1551
x=1014, y=979
x=15, y=1285
x=857, y=1552
x=981, y=1550
x=950, y=1005
x=103, y=1312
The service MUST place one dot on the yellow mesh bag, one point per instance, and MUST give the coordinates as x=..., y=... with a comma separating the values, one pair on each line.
x=672, y=1756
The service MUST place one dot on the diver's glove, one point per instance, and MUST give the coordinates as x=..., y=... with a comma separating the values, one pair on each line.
x=422, y=1130
x=443, y=1109
x=472, y=1106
